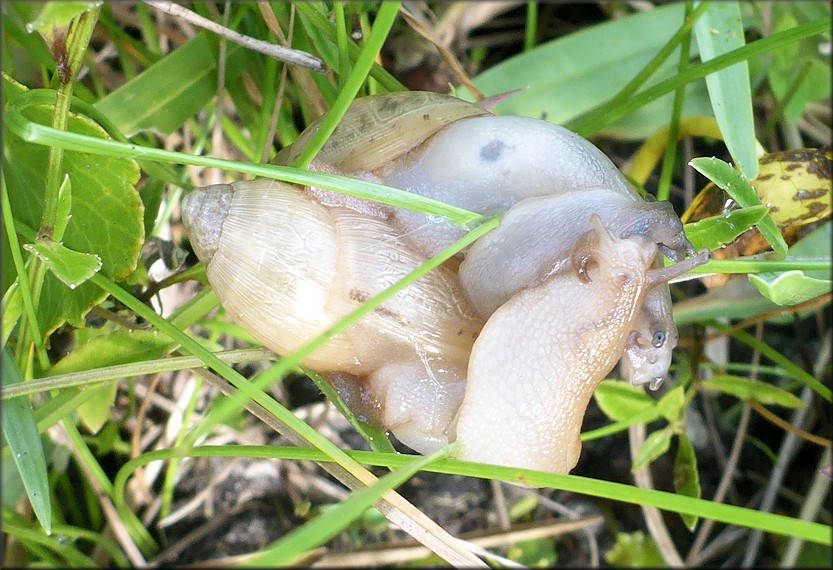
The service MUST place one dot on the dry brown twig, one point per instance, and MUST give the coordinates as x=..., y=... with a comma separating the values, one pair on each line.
x=288, y=55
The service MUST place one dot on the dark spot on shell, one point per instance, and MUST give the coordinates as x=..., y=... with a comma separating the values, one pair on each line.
x=361, y=296
x=764, y=177
x=792, y=166
x=809, y=194
x=426, y=116
x=492, y=151
x=358, y=295
x=821, y=165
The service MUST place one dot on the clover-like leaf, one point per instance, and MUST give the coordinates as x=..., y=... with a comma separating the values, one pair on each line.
x=620, y=401
x=754, y=390
x=71, y=267
x=105, y=217
x=716, y=231
x=739, y=188
x=686, y=476
x=654, y=447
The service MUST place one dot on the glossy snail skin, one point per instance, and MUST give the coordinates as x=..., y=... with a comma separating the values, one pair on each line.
x=527, y=391
x=571, y=281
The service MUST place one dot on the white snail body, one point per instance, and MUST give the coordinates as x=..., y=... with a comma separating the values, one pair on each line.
x=535, y=384
x=568, y=284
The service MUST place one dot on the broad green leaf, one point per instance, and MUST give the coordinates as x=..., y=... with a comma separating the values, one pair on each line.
x=790, y=287
x=12, y=310
x=719, y=31
x=118, y=347
x=538, y=553
x=671, y=405
x=737, y=186
x=95, y=412
x=567, y=77
x=72, y=267
x=686, y=476
x=634, y=550
x=794, y=287
x=654, y=447
x=620, y=401
x=738, y=299
x=172, y=90
x=21, y=433
x=106, y=212
x=715, y=231
x=754, y=390
x=784, y=70
x=55, y=17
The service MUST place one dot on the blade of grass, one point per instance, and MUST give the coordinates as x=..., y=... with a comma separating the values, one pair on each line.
x=784, y=362
x=21, y=433
x=672, y=502
x=664, y=186
x=319, y=20
x=762, y=46
x=358, y=75
x=316, y=532
x=718, y=32
x=41, y=134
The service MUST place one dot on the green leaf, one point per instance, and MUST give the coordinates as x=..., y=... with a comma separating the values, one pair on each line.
x=738, y=187
x=95, y=412
x=118, y=347
x=620, y=401
x=172, y=90
x=62, y=214
x=71, y=267
x=715, y=231
x=790, y=287
x=686, y=476
x=55, y=17
x=21, y=433
x=654, y=447
x=567, y=77
x=12, y=310
x=634, y=550
x=783, y=70
x=105, y=215
x=794, y=287
x=754, y=390
x=719, y=31
x=672, y=404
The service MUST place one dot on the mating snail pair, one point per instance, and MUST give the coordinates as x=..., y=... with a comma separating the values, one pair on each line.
x=501, y=354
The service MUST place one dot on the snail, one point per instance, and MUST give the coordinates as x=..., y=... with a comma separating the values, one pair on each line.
x=578, y=253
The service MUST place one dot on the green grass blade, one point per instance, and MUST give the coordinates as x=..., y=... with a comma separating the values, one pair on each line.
x=739, y=516
x=358, y=75
x=695, y=72
x=718, y=32
x=41, y=134
x=21, y=433
x=324, y=527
